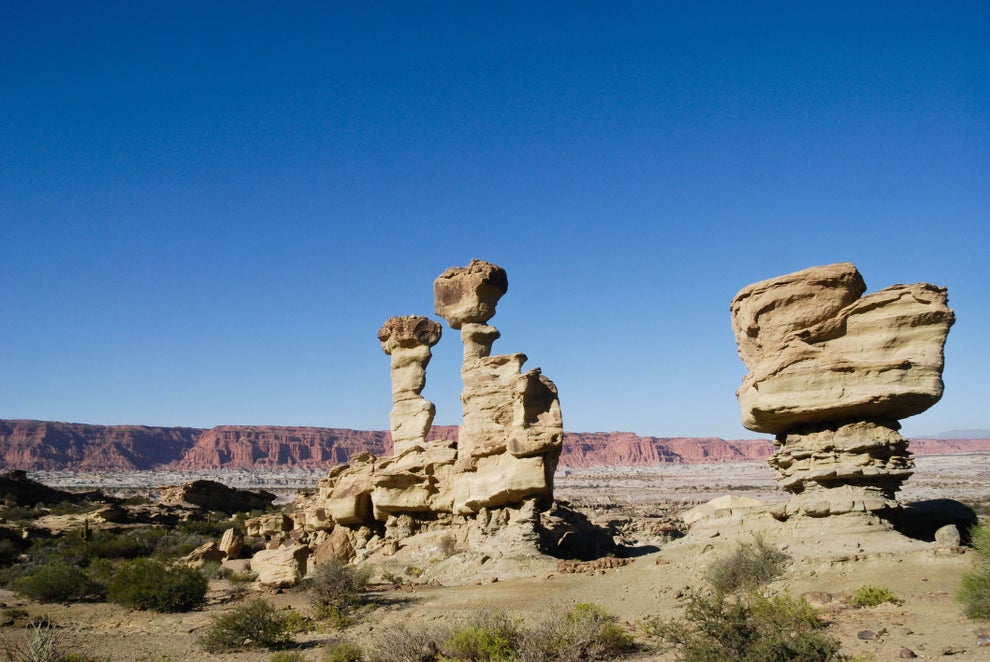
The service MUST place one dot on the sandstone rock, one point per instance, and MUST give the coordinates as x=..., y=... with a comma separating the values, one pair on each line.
x=337, y=547
x=210, y=495
x=819, y=353
x=231, y=543
x=280, y=568
x=203, y=554
x=830, y=372
x=469, y=294
x=723, y=508
x=268, y=525
x=505, y=452
x=408, y=341
x=832, y=456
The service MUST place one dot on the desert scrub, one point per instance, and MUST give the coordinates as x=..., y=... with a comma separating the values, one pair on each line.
x=58, y=582
x=336, y=590
x=586, y=632
x=254, y=625
x=974, y=590
x=43, y=644
x=749, y=628
x=488, y=636
x=871, y=596
x=148, y=584
x=749, y=566
x=398, y=643
x=343, y=651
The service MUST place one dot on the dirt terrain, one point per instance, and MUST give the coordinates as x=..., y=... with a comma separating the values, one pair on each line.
x=830, y=560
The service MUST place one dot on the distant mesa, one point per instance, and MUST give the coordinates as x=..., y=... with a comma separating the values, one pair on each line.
x=830, y=374
x=39, y=446
x=975, y=433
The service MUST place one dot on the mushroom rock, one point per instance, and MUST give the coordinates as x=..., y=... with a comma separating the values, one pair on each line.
x=408, y=341
x=830, y=373
x=508, y=444
x=469, y=294
x=502, y=407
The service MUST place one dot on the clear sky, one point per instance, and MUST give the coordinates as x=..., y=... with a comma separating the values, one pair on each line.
x=207, y=209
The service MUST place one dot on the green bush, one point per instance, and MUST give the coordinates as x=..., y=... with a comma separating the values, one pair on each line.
x=148, y=584
x=254, y=625
x=336, y=589
x=586, y=632
x=749, y=566
x=489, y=636
x=58, y=582
x=974, y=590
x=871, y=596
x=750, y=628
x=343, y=651
x=287, y=656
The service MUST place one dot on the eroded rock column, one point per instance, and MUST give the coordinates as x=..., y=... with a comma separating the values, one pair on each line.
x=512, y=431
x=830, y=374
x=408, y=341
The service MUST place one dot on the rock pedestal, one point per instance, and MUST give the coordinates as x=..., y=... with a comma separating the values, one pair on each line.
x=507, y=449
x=830, y=373
x=512, y=432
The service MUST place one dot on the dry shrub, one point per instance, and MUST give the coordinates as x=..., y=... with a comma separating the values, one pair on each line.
x=749, y=566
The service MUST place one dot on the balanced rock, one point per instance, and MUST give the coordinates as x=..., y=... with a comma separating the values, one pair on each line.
x=502, y=406
x=830, y=373
x=507, y=447
x=469, y=294
x=817, y=352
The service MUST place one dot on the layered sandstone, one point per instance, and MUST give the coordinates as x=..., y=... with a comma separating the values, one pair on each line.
x=490, y=477
x=830, y=374
x=407, y=340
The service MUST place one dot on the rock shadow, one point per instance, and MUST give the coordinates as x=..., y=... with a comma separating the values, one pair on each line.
x=921, y=519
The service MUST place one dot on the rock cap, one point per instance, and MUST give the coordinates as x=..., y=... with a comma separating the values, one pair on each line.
x=469, y=294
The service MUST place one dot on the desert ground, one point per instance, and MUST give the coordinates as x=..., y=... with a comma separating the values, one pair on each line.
x=829, y=561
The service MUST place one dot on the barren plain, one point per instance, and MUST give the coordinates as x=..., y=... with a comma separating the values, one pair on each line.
x=827, y=563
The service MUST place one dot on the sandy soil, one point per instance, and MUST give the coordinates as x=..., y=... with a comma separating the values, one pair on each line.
x=829, y=561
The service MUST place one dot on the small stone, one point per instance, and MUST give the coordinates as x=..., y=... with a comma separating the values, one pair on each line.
x=866, y=635
x=907, y=653
x=948, y=536
x=983, y=640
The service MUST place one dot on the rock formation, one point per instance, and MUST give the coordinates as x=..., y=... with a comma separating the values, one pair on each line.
x=512, y=432
x=408, y=341
x=496, y=473
x=830, y=373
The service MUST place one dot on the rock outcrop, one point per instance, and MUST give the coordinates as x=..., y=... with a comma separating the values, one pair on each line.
x=512, y=433
x=492, y=477
x=830, y=373
x=211, y=495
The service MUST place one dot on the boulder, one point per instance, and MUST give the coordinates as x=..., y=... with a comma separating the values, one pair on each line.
x=267, y=526
x=231, y=543
x=469, y=294
x=203, y=554
x=337, y=547
x=280, y=568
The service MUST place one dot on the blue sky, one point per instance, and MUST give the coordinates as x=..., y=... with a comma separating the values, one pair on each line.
x=208, y=209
